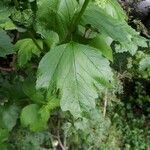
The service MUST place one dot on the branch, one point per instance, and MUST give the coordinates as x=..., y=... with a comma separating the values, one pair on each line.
x=60, y=143
x=58, y=137
x=6, y=69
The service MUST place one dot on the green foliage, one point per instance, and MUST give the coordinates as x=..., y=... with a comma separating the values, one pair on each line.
x=57, y=15
x=87, y=132
x=144, y=66
x=38, y=119
x=31, y=119
x=140, y=65
x=5, y=44
x=128, y=38
x=101, y=42
x=31, y=92
x=76, y=79
x=26, y=48
x=112, y=8
x=4, y=135
x=9, y=117
x=5, y=11
x=23, y=18
x=73, y=75
x=29, y=140
x=51, y=38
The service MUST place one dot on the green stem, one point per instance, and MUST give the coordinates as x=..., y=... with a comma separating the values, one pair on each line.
x=34, y=40
x=76, y=20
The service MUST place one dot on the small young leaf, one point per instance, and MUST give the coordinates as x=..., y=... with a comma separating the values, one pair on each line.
x=26, y=48
x=36, y=117
x=29, y=115
x=51, y=38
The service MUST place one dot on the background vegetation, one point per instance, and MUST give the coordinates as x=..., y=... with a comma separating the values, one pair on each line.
x=73, y=75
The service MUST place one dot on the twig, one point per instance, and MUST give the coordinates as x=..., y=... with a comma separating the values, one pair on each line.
x=60, y=143
x=58, y=137
x=12, y=64
x=54, y=148
x=59, y=140
x=105, y=103
x=6, y=69
x=64, y=143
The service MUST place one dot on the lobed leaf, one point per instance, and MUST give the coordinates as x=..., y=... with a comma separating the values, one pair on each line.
x=26, y=48
x=117, y=29
x=76, y=70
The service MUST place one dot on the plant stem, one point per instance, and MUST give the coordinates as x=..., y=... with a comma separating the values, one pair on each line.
x=34, y=40
x=105, y=103
x=76, y=19
x=58, y=137
x=6, y=69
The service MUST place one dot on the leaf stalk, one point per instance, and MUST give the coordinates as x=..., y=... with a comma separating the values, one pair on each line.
x=76, y=19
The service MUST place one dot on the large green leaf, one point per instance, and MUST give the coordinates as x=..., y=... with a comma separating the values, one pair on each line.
x=5, y=44
x=26, y=48
x=57, y=14
x=117, y=29
x=76, y=70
